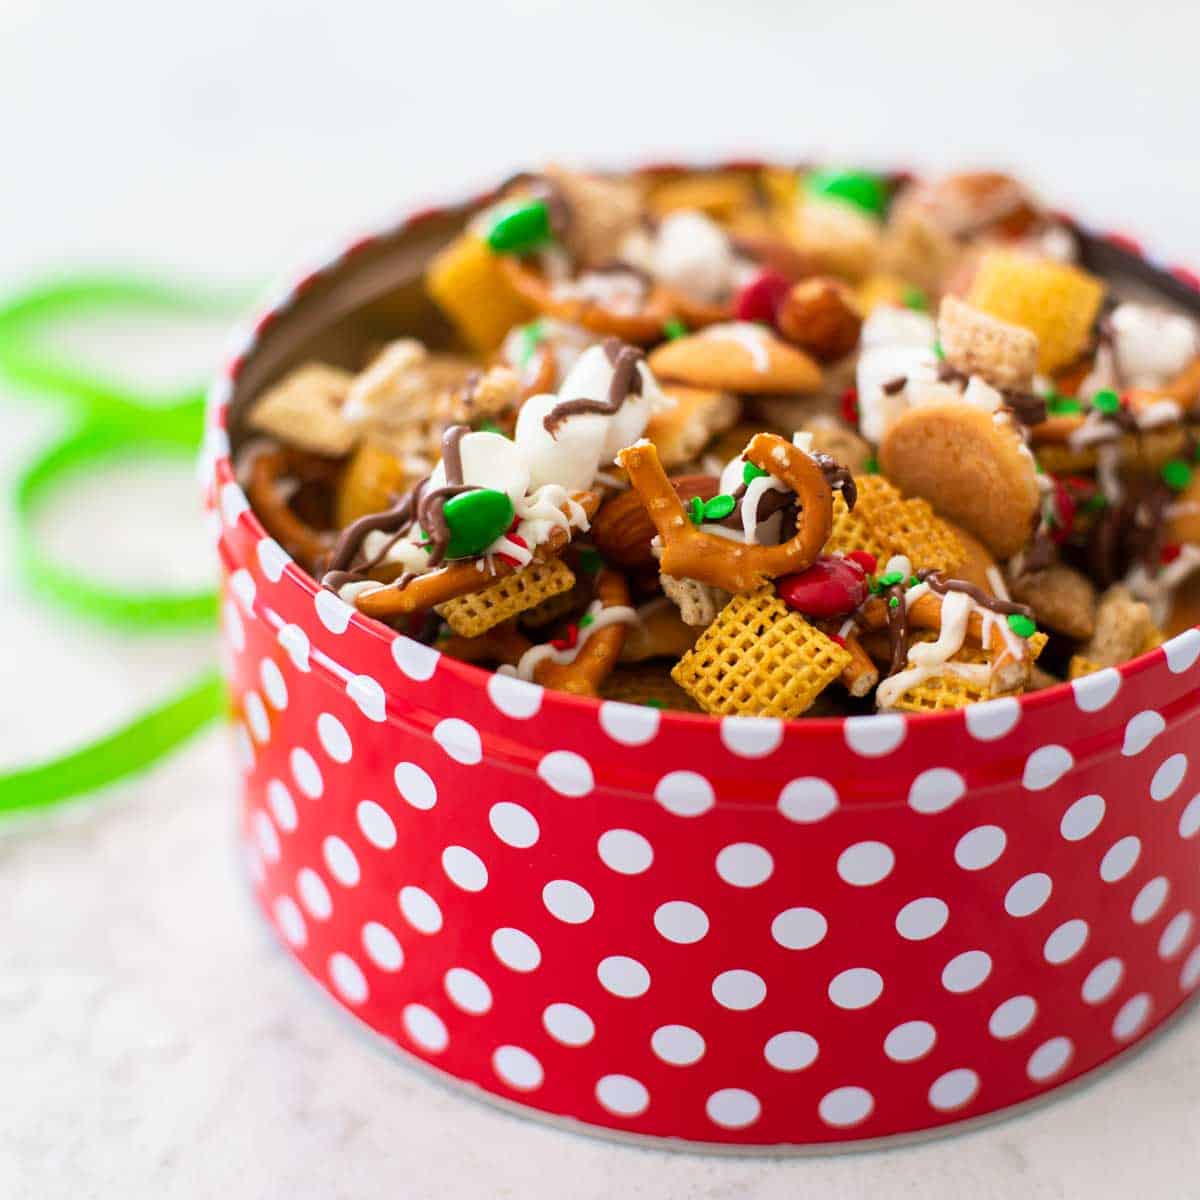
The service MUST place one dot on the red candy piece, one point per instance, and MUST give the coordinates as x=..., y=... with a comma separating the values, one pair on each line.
x=849, y=402
x=829, y=588
x=1064, y=510
x=568, y=642
x=517, y=540
x=865, y=559
x=1168, y=554
x=759, y=300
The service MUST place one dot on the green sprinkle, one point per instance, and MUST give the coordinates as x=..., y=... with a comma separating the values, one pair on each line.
x=531, y=337
x=1107, y=401
x=586, y=620
x=859, y=188
x=891, y=578
x=674, y=328
x=1095, y=503
x=696, y=510
x=520, y=228
x=487, y=425
x=915, y=299
x=913, y=581
x=591, y=560
x=871, y=466
x=1061, y=406
x=1021, y=625
x=750, y=472
x=938, y=352
x=653, y=704
x=719, y=507
x=1177, y=474
x=893, y=602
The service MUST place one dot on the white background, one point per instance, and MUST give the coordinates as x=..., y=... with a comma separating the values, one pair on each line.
x=152, y=1040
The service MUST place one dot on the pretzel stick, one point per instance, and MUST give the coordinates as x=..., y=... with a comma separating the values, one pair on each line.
x=460, y=578
x=659, y=633
x=861, y=674
x=297, y=538
x=690, y=553
x=598, y=655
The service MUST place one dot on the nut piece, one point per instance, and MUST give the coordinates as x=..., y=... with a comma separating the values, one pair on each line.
x=822, y=317
x=622, y=529
x=1062, y=599
x=305, y=409
x=979, y=344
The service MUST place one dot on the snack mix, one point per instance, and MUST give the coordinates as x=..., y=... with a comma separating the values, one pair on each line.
x=757, y=441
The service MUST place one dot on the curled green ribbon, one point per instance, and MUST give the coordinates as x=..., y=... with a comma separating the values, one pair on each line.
x=111, y=421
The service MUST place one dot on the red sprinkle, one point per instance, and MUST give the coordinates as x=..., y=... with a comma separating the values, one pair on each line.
x=1170, y=553
x=760, y=298
x=568, y=642
x=517, y=540
x=849, y=402
x=841, y=641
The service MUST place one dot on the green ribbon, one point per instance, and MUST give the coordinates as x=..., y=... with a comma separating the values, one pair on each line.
x=111, y=421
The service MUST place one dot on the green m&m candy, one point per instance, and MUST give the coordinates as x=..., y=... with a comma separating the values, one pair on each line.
x=1021, y=625
x=860, y=188
x=520, y=228
x=476, y=519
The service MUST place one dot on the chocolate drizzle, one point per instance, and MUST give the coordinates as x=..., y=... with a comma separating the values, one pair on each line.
x=893, y=387
x=941, y=585
x=897, y=628
x=626, y=382
x=839, y=478
x=418, y=505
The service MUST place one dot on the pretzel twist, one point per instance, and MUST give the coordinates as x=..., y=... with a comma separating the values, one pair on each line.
x=460, y=578
x=690, y=553
x=298, y=538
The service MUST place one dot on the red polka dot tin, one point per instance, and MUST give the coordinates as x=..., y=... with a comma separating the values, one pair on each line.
x=739, y=932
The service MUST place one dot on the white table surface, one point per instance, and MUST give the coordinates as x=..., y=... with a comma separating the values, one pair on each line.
x=153, y=1039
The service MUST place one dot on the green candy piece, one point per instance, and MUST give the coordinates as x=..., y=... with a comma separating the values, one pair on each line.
x=696, y=510
x=751, y=472
x=1176, y=474
x=916, y=299
x=531, y=338
x=719, y=507
x=1107, y=401
x=871, y=466
x=521, y=228
x=673, y=329
x=1021, y=625
x=476, y=520
x=938, y=352
x=891, y=578
x=1061, y=406
x=860, y=188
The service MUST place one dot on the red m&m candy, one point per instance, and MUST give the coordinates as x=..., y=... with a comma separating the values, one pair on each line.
x=831, y=587
x=760, y=298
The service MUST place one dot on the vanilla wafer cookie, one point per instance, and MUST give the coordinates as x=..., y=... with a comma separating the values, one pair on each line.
x=759, y=659
x=477, y=612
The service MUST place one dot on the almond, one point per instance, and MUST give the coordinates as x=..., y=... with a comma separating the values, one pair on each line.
x=820, y=316
x=622, y=529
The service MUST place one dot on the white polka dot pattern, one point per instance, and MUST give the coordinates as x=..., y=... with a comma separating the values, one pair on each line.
x=481, y=870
